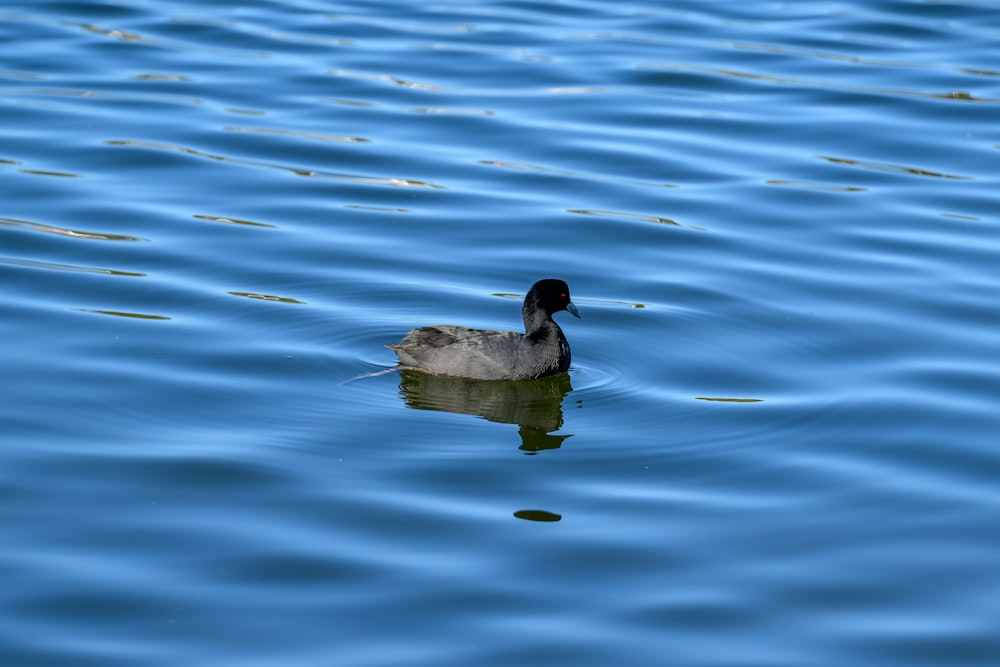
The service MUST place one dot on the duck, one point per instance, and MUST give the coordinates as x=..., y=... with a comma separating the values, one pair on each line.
x=480, y=354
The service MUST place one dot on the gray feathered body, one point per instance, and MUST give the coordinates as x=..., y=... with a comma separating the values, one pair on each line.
x=485, y=355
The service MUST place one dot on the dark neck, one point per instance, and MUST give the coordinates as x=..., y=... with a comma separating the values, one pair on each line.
x=537, y=323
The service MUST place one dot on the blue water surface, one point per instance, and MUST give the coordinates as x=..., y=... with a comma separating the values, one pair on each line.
x=777, y=444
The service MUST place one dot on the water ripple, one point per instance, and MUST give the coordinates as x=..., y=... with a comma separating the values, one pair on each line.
x=121, y=313
x=951, y=95
x=13, y=223
x=890, y=168
x=308, y=173
x=51, y=266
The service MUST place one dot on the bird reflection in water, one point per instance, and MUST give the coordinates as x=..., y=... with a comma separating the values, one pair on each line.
x=534, y=405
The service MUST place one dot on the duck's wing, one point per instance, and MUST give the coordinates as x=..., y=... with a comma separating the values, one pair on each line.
x=429, y=337
x=463, y=352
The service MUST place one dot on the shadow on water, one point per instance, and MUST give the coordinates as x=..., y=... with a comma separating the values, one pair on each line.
x=534, y=405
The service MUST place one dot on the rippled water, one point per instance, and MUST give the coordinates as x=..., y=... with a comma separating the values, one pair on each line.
x=778, y=441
